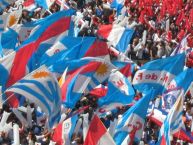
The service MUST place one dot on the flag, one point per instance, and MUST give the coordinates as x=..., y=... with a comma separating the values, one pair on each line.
x=9, y=40
x=41, y=88
x=12, y=18
x=64, y=4
x=119, y=90
x=183, y=80
x=158, y=73
x=126, y=68
x=99, y=91
x=67, y=48
x=1, y=25
x=72, y=65
x=181, y=47
x=24, y=30
x=30, y=48
x=98, y=49
x=1, y=30
x=130, y=127
x=118, y=36
x=44, y=3
x=117, y=5
x=169, y=98
x=97, y=134
x=77, y=51
x=5, y=3
x=172, y=123
x=29, y=5
x=5, y=68
x=63, y=132
x=158, y=116
x=85, y=78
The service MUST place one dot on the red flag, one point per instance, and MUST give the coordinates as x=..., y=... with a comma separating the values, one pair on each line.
x=57, y=135
x=180, y=17
x=97, y=133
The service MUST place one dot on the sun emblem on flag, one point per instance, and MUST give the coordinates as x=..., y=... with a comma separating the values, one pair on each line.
x=41, y=74
x=12, y=20
x=102, y=69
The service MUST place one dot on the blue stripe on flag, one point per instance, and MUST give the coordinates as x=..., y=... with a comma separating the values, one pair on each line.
x=41, y=87
x=35, y=94
x=54, y=119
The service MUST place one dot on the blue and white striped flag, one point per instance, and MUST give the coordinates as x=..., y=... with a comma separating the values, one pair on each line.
x=41, y=88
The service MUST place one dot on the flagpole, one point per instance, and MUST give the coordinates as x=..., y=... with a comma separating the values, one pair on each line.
x=6, y=99
x=62, y=5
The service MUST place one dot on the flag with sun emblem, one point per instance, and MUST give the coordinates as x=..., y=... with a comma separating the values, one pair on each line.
x=12, y=18
x=101, y=74
x=41, y=88
x=85, y=78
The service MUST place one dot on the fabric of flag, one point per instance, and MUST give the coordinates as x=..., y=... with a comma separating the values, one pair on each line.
x=5, y=3
x=172, y=123
x=118, y=36
x=1, y=25
x=158, y=73
x=63, y=132
x=12, y=18
x=44, y=3
x=41, y=88
x=62, y=2
x=9, y=41
x=29, y=49
x=126, y=68
x=68, y=48
x=5, y=68
x=169, y=98
x=99, y=91
x=1, y=30
x=72, y=65
x=183, y=80
x=24, y=30
x=119, y=90
x=130, y=127
x=158, y=116
x=29, y=5
x=85, y=78
x=97, y=134
x=117, y=5
x=181, y=47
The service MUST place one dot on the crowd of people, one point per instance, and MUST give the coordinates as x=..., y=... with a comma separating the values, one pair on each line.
x=163, y=24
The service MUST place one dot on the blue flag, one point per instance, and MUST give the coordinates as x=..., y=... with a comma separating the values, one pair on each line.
x=41, y=88
x=172, y=123
x=158, y=74
x=183, y=80
x=119, y=90
x=130, y=126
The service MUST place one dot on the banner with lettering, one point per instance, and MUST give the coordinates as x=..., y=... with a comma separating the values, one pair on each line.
x=158, y=74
